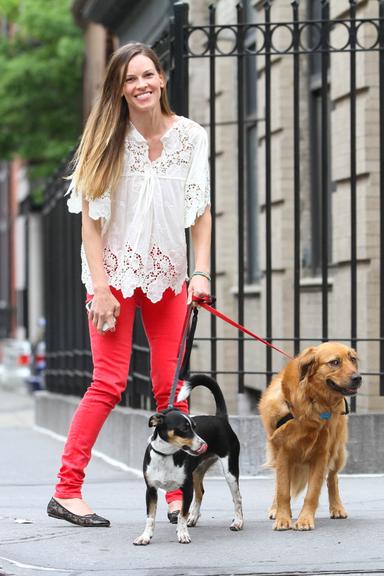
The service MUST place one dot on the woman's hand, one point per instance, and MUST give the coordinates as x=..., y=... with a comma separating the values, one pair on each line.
x=199, y=286
x=105, y=309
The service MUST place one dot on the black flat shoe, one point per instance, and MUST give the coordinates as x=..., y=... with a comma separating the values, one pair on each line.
x=56, y=510
x=173, y=516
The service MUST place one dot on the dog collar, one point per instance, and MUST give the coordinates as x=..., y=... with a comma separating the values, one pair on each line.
x=323, y=415
x=328, y=414
x=284, y=419
x=160, y=453
x=289, y=416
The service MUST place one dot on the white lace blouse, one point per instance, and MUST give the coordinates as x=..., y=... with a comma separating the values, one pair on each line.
x=144, y=220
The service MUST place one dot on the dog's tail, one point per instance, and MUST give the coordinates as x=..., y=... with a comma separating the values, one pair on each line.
x=206, y=382
x=299, y=479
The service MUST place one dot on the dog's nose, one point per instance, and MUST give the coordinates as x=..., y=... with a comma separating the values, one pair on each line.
x=356, y=380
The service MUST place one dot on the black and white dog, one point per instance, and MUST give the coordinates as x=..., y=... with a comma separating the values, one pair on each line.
x=181, y=450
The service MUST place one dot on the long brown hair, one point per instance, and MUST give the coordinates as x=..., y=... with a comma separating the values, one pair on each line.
x=98, y=161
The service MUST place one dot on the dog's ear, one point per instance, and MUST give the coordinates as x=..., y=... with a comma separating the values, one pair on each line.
x=156, y=420
x=307, y=361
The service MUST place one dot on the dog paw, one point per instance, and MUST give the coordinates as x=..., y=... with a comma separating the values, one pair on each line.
x=192, y=520
x=272, y=512
x=283, y=523
x=182, y=530
x=142, y=540
x=337, y=512
x=184, y=538
x=305, y=523
x=237, y=525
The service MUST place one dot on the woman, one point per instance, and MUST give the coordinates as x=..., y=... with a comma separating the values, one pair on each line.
x=140, y=178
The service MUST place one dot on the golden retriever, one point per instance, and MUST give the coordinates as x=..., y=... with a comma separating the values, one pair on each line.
x=303, y=411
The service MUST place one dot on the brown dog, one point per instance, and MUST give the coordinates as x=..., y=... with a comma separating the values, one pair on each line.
x=304, y=416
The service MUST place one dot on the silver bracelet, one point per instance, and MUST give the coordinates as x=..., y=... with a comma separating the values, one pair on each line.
x=199, y=273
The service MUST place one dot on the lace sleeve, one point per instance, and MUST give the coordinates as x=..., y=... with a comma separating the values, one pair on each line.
x=98, y=208
x=74, y=202
x=197, y=188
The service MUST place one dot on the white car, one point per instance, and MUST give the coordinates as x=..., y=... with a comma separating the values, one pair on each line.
x=15, y=358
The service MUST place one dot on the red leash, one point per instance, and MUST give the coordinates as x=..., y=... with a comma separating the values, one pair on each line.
x=205, y=303
x=185, y=347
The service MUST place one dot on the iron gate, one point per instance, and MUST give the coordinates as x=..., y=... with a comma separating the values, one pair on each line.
x=69, y=368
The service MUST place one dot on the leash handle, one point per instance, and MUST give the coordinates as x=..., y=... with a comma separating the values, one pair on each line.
x=204, y=303
x=199, y=300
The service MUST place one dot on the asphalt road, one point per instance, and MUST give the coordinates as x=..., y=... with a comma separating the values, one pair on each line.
x=31, y=543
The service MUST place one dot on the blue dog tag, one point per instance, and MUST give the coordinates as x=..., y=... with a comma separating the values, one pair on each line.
x=325, y=415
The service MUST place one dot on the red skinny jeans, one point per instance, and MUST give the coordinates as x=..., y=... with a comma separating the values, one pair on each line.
x=111, y=353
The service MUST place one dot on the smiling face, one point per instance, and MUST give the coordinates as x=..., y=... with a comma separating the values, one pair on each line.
x=143, y=85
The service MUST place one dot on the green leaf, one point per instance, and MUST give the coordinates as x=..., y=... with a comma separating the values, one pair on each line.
x=40, y=84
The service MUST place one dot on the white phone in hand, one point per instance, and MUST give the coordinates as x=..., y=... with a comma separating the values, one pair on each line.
x=106, y=327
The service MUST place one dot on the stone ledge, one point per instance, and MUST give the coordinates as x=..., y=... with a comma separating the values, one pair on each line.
x=125, y=435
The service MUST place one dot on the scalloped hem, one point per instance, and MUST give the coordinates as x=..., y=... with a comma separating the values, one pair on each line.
x=129, y=293
x=191, y=219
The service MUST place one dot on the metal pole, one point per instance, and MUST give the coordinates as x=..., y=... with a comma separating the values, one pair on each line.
x=381, y=97
x=268, y=189
x=181, y=72
x=212, y=138
x=325, y=163
x=353, y=182
x=296, y=154
x=241, y=187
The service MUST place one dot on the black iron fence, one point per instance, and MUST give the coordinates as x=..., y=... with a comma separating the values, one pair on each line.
x=69, y=361
x=69, y=365
x=310, y=43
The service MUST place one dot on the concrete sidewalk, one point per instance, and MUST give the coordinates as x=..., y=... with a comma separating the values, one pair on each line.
x=31, y=543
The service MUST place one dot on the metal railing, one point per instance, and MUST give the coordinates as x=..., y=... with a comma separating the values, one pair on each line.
x=69, y=361
x=318, y=38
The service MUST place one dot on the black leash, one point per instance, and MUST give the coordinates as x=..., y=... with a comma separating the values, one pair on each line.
x=180, y=356
x=187, y=337
x=188, y=347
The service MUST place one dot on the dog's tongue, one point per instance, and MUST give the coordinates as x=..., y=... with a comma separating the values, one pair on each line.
x=203, y=448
